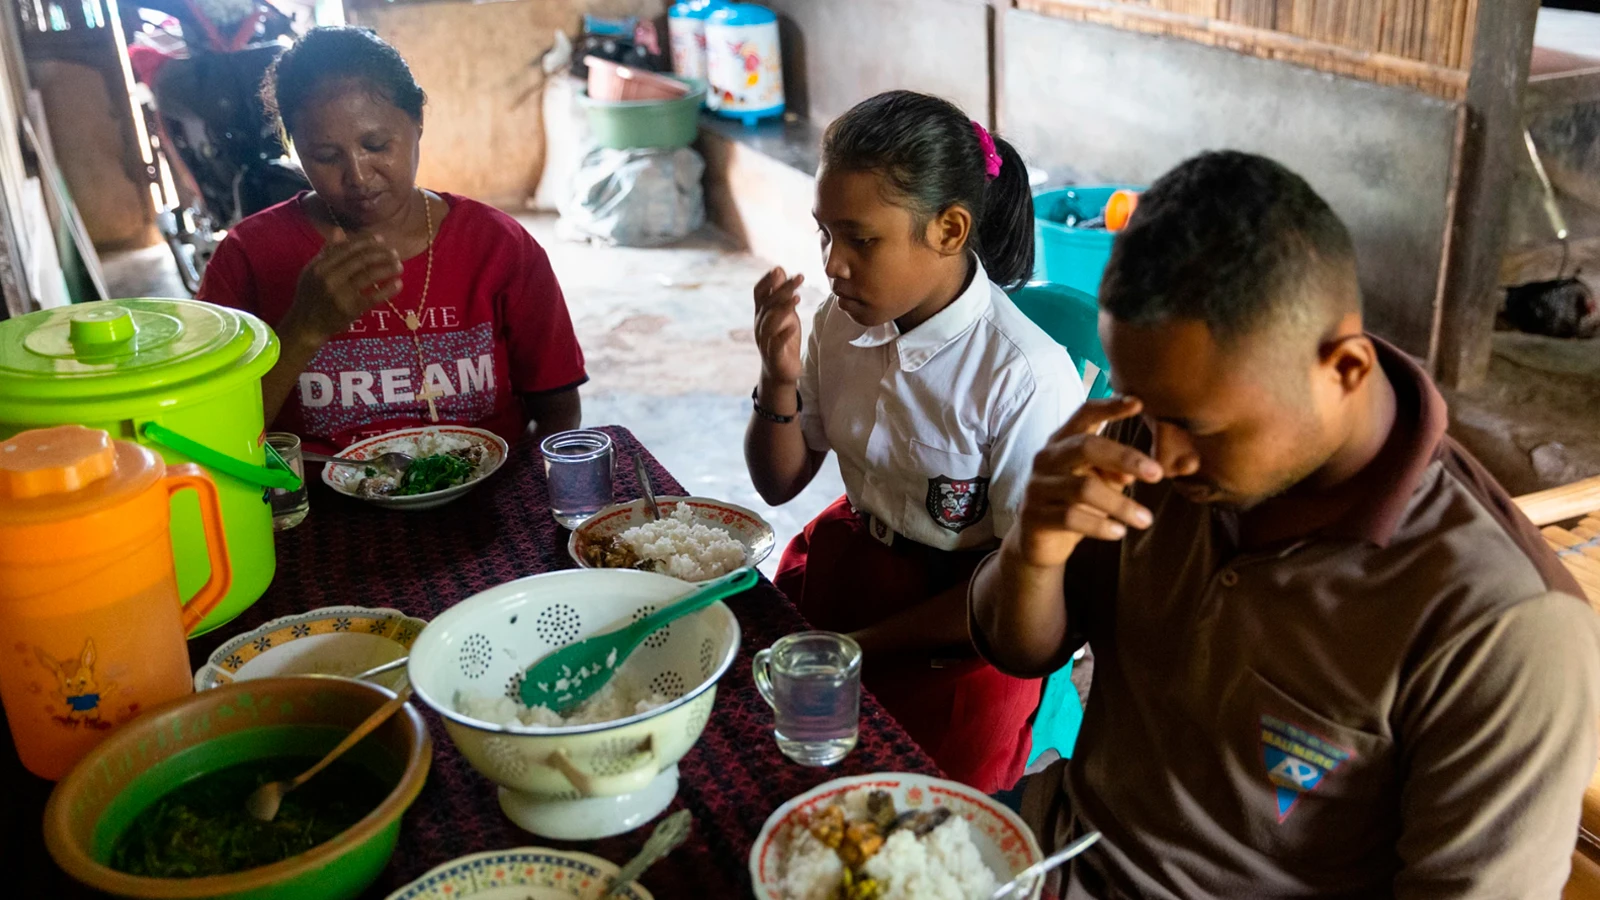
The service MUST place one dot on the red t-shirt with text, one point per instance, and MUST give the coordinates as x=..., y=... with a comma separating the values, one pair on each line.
x=496, y=327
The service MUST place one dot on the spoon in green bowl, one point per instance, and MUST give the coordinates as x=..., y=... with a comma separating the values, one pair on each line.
x=574, y=673
x=263, y=802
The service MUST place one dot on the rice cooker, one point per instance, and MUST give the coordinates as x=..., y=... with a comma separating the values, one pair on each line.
x=180, y=377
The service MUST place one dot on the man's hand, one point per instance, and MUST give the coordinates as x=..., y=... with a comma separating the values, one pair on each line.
x=1076, y=490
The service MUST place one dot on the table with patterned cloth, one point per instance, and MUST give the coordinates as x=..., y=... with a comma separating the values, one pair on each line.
x=348, y=552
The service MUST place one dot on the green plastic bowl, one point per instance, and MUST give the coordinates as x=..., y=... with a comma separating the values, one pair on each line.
x=645, y=124
x=179, y=741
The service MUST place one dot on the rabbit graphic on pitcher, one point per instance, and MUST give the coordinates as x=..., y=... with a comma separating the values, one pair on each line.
x=82, y=698
x=94, y=628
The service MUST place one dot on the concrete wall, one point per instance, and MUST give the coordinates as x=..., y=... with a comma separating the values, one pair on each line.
x=483, y=132
x=1124, y=107
x=839, y=52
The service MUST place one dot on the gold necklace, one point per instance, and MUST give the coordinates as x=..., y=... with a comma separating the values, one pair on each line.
x=413, y=318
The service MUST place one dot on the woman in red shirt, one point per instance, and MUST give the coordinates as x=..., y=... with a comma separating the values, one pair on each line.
x=396, y=306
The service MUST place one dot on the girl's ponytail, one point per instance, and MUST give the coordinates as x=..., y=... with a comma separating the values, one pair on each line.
x=934, y=157
x=1005, y=233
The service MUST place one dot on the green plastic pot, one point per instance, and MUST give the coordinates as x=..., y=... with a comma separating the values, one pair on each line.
x=184, y=379
x=179, y=741
x=645, y=124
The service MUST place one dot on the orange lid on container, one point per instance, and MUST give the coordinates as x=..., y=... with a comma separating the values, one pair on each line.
x=50, y=474
x=1119, y=209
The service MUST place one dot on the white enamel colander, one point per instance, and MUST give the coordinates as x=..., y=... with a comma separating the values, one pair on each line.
x=584, y=781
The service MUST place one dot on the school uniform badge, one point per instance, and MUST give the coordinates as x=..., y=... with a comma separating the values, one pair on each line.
x=1296, y=760
x=956, y=504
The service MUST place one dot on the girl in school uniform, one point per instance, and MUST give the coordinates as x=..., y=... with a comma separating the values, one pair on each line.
x=934, y=391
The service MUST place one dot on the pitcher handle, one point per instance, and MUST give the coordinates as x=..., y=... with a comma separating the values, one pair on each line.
x=761, y=672
x=192, y=477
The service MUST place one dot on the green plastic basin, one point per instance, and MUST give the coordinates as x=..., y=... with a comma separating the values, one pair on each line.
x=182, y=740
x=645, y=124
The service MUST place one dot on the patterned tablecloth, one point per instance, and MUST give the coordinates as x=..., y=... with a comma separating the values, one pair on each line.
x=347, y=552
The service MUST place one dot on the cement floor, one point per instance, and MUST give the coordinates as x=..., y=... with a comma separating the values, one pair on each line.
x=667, y=336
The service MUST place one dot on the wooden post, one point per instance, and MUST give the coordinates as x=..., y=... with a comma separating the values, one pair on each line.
x=998, y=10
x=1501, y=50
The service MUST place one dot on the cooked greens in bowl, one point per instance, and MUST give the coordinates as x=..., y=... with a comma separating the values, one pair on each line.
x=446, y=462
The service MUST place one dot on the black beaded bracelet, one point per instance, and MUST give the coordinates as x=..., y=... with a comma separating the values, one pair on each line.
x=769, y=415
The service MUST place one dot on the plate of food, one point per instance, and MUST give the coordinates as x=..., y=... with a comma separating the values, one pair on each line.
x=891, y=836
x=527, y=873
x=696, y=539
x=446, y=462
x=333, y=640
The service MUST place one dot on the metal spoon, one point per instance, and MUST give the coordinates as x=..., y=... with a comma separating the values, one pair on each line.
x=667, y=837
x=263, y=803
x=1026, y=877
x=644, y=485
x=393, y=463
x=382, y=670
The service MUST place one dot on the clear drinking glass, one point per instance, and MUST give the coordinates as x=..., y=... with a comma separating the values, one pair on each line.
x=289, y=508
x=812, y=681
x=579, y=467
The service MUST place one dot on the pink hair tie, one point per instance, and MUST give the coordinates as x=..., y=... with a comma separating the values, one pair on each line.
x=991, y=156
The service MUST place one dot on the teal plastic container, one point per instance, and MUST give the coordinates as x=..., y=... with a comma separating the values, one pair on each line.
x=1075, y=257
x=645, y=124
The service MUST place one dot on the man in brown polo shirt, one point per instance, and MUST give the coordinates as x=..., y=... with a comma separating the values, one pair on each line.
x=1331, y=658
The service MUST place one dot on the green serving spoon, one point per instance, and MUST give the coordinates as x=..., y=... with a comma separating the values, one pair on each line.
x=574, y=673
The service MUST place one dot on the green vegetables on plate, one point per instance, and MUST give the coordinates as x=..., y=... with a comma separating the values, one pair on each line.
x=202, y=827
x=427, y=474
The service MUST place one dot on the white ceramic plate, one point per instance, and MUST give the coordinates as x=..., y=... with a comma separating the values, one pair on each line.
x=527, y=873
x=1005, y=843
x=334, y=640
x=742, y=525
x=345, y=479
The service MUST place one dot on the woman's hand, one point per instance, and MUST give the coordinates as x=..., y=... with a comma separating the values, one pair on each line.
x=340, y=284
x=1076, y=490
x=778, y=328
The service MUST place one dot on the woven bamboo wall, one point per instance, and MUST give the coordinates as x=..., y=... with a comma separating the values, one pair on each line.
x=1420, y=44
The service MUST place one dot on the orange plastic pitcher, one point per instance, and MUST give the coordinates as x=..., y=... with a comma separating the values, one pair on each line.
x=92, y=630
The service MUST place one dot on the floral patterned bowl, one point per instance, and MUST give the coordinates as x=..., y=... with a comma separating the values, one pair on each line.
x=742, y=525
x=527, y=873
x=347, y=479
x=1006, y=845
x=334, y=640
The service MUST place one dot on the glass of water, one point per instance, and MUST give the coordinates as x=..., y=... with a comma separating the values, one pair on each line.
x=289, y=508
x=578, y=467
x=812, y=681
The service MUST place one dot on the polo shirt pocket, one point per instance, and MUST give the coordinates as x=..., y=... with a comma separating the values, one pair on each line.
x=1313, y=791
x=956, y=486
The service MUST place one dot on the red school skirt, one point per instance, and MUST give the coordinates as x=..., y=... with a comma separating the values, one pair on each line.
x=973, y=720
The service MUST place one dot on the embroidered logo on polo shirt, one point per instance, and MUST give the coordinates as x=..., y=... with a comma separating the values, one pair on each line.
x=956, y=504
x=1296, y=760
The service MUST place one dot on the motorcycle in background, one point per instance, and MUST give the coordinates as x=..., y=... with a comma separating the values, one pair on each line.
x=217, y=156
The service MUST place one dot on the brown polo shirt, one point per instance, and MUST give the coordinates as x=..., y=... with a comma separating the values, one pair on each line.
x=1401, y=702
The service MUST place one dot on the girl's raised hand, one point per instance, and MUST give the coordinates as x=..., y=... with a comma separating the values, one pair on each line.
x=342, y=282
x=778, y=327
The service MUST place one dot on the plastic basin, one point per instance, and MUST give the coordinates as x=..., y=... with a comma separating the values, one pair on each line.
x=1075, y=257
x=173, y=743
x=645, y=124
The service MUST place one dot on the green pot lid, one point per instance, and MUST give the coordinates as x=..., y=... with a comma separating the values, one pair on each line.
x=115, y=347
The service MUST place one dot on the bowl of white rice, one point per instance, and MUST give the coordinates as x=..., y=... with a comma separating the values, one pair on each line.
x=697, y=539
x=972, y=844
x=610, y=765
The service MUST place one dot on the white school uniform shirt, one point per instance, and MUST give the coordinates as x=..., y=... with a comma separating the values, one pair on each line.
x=936, y=429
